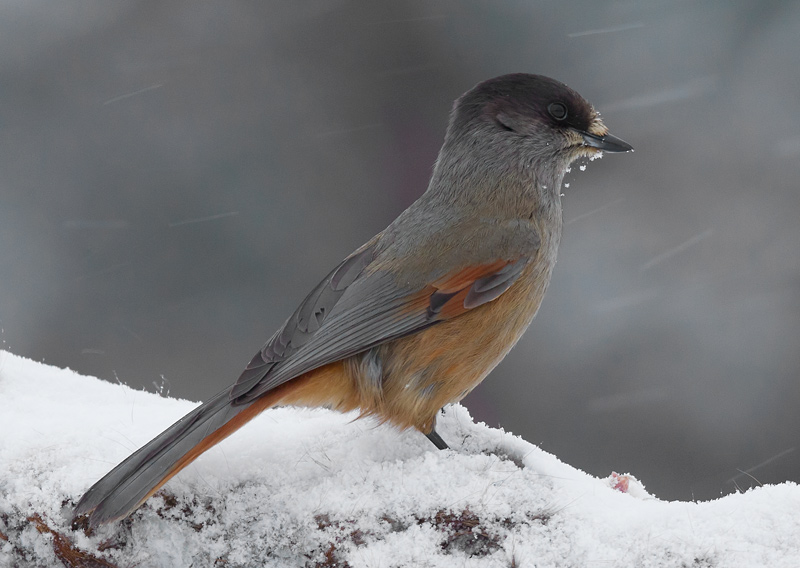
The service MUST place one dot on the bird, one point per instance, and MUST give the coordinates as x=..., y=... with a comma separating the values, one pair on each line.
x=418, y=316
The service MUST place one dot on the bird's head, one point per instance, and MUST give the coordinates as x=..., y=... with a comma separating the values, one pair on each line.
x=529, y=119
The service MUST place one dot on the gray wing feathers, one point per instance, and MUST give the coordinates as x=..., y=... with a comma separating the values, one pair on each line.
x=372, y=310
x=303, y=324
x=124, y=488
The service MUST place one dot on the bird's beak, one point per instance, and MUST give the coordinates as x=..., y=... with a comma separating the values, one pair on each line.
x=607, y=143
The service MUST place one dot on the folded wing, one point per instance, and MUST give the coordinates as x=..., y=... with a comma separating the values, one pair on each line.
x=355, y=308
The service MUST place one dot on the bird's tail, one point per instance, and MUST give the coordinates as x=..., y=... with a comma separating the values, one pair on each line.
x=129, y=484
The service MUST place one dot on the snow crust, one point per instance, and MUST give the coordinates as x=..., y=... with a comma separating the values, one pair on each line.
x=300, y=487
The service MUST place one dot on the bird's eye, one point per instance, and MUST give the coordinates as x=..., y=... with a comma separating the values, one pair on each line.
x=557, y=110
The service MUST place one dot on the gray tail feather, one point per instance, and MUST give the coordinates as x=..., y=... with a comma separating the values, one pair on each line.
x=124, y=488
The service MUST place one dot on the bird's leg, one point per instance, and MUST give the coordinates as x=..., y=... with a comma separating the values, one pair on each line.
x=434, y=437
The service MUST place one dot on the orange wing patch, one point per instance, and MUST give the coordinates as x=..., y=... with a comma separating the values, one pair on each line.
x=465, y=277
x=447, y=295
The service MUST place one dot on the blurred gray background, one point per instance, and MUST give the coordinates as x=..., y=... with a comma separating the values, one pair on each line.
x=175, y=177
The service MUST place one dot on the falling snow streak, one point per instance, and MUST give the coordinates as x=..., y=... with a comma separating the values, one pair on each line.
x=92, y=351
x=626, y=301
x=748, y=472
x=593, y=211
x=203, y=219
x=349, y=130
x=612, y=29
x=133, y=94
x=689, y=90
x=408, y=20
x=621, y=401
x=676, y=250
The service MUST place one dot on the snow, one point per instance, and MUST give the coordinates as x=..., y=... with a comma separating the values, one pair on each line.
x=300, y=487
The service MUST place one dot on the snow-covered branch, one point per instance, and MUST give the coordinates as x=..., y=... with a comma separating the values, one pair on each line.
x=315, y=488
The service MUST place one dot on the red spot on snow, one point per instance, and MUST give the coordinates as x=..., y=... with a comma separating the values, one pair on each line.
x=619, y=482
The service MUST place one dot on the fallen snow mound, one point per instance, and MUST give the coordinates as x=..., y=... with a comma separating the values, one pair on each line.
x=315, y=488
